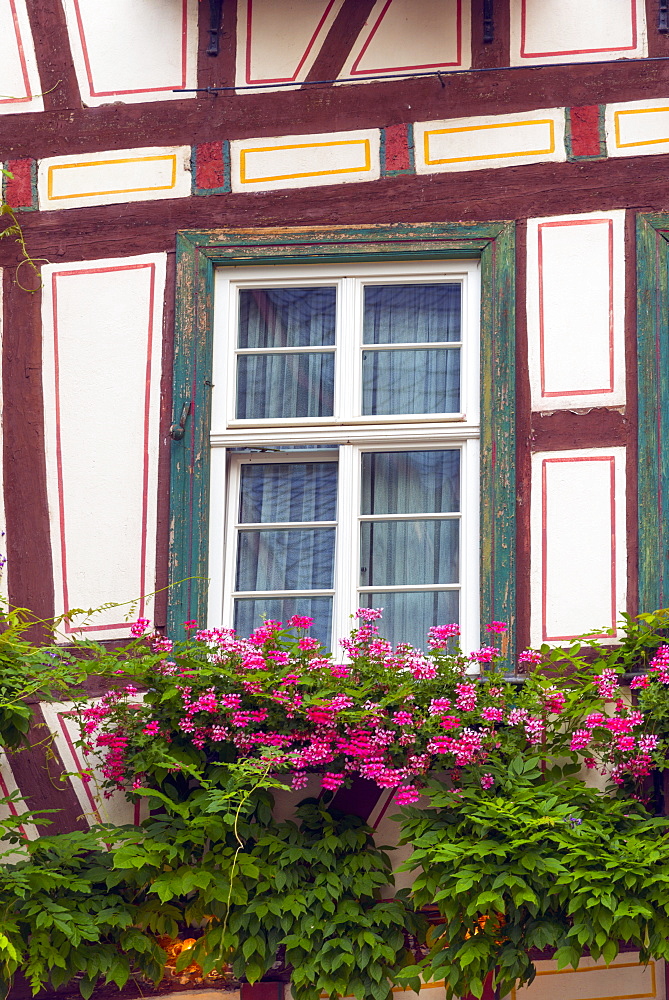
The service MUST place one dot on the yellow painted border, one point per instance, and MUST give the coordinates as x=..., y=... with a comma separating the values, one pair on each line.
x=105, y=163
x=635, y=111
x=604, y=968
x=309, y=173
x=488, y=156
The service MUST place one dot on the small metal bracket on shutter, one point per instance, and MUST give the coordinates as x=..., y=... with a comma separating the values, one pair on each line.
x=177, y=431
x=488, y=22
x=663, y=17
x=215, y=11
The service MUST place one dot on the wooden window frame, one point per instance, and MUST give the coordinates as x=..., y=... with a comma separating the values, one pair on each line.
x=652, y=234
x=200, y=253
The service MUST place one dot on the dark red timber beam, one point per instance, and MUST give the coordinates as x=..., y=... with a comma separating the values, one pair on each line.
x=340, y=39
x=54, y=57
x=28, y=548
x=229, y=115
x=217, y=70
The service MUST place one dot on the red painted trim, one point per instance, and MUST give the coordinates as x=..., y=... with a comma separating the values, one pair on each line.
x=142, y=90
x=555, y=225
x=22, y=60
x=305, y=55
x=403, y=69
x=59, y=456
x=11, y=805
x=524, y=54
x=544, y=538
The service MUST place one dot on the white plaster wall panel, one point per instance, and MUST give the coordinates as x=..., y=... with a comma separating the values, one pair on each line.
x=637, y=128
x=578, y=543
x=286, y=800
x=102, y=345
x=20, y=88
x=386, y=834
x=113, y=177
x=61, y=719
x=304, y=160
x=128, y=51
x=16, y=807
x=407, y=36
x=577, y=30
x=489, y=141
x=576, y=310
x=624, y=979
x=277, y=42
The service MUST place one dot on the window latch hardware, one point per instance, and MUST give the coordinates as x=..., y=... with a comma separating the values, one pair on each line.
x=215, y=8
x=488, y=22
x=177, y=431
x=663, y=18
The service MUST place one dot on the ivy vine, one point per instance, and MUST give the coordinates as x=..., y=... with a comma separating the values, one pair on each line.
x=13, y=228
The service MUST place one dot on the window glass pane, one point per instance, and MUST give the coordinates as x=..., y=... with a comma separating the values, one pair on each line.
x=411, y=314
x=408, y=616
x=288, y=491
x=251, y=612
x=412, y=381
x=287, y=317
x=285, y=385
x=285, y=559
x=411, y=482
x=395, y=553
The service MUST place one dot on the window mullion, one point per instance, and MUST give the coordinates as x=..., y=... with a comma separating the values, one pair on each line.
x=218, y=489
x=347, y=557
x=234, y=478
x=470, y=608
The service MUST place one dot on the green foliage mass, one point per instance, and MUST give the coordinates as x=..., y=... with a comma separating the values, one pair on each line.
x=513, y=852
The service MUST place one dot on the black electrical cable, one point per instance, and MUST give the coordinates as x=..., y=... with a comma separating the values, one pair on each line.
x=441, y=75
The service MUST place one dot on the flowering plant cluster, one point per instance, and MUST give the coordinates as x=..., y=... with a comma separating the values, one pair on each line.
x=389, y=715
x=526, y=801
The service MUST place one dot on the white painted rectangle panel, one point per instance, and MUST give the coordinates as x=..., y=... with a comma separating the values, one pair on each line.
x=578, y=544
x=637, y=128
x=410, y=36
x=129, y=51
x=624, y=979
x=113, y=177
x=490, y=141
x=577, y=30
x=102, y=325
x=277, y=43
x=304, y=160
x=576, y=310
x=20, y=88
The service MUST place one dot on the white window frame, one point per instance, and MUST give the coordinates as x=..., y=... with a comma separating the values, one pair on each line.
x=348, y=431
